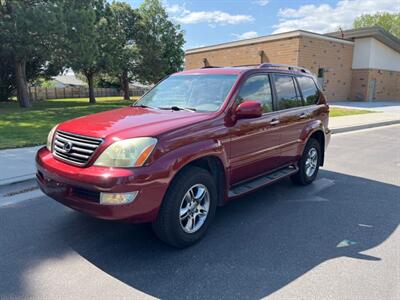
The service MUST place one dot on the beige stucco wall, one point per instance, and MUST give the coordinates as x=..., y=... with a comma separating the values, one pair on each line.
x=370, y=53
x=387, y=84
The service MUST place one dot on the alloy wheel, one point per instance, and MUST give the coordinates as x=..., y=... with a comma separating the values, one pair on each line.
x=194, y=208
x=311, y=162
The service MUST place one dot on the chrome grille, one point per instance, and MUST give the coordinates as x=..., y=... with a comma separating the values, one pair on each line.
x=73, y=148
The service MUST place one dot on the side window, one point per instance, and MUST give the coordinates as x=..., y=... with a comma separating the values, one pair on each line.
x=257, y=88
x=309, y=90
x=286, y=92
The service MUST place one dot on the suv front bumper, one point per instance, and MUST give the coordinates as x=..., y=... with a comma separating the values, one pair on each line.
x=80, y=188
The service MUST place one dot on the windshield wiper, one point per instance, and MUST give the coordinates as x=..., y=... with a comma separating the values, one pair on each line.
x=144, y=106
x=177, y=108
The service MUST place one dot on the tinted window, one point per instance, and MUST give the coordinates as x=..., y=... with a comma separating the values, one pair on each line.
x=309, y=89
x=257, y=88
x=286, y=92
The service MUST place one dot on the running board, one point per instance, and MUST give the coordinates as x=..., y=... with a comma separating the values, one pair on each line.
x=261, y=181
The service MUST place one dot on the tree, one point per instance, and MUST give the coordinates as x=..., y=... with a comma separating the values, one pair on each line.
x=29, y=32
x=7, y=75
x=388, y=21
x=125, y=28
x=90, y=44
x=36, y=67
x=159, y=42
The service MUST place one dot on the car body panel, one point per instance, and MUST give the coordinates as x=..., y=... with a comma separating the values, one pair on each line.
x=130, y=122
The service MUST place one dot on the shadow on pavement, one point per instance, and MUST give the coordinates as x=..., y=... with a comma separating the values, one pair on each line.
x=257, y=244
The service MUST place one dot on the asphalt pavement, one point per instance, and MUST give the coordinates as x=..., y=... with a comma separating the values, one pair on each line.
x=335, y=239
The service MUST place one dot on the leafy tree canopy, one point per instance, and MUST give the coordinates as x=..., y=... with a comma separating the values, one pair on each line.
x=388, y=21
x=30, y=35
x=95, y=38
x=160, y=43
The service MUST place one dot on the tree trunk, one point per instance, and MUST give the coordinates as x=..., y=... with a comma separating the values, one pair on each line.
x=22, y=85
x=89, y=77
x=125, y=85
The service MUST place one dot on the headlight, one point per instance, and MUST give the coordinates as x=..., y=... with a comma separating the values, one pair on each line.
x=127, y=153
x=50, y=138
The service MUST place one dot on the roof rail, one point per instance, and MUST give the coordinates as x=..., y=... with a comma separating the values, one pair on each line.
x=210, y=67
x=246, y=65
x=287, y=67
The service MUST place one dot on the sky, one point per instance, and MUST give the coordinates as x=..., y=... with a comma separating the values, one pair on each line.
x=208, y=22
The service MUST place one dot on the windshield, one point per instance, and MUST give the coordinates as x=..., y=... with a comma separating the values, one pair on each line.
x=195, y=92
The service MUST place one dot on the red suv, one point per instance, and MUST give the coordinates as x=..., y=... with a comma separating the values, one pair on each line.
x=194, y=142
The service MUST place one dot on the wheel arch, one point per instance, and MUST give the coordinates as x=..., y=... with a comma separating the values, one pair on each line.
x=215, y=166
x=320, y=137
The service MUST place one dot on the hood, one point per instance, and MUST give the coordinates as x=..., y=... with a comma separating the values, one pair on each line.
x=131, y=122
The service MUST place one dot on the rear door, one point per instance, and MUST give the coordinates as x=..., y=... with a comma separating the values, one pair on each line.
x=292, y=115
x=254, y=141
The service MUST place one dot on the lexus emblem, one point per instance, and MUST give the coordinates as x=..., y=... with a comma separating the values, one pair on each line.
x=67, y=146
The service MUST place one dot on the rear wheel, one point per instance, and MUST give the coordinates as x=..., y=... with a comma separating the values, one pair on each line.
x=309, y=163
x=187, y=209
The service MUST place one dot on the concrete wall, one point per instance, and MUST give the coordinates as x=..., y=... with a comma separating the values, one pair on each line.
x=335, y=57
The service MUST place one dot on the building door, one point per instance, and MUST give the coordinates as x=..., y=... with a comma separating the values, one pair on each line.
x=371, y=89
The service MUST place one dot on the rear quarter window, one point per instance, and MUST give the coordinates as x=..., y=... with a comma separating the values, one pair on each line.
x=287, y=95
x=309, y=90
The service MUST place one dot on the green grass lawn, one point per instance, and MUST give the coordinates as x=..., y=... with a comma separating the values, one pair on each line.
x=339, y=112
x=29, y=127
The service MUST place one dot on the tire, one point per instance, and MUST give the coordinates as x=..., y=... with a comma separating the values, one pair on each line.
x=172, y=225
x=304, y=175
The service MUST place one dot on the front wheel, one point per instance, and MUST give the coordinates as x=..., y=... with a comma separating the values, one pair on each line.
x=309, y=163
x=187, y=209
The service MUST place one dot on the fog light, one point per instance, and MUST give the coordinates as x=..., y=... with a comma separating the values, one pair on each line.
x=117, y=198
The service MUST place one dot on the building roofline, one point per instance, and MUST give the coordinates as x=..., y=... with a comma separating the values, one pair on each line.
x=272, y=37
x=376, y=32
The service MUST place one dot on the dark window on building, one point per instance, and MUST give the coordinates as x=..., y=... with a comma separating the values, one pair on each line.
x=257, y=88
x=286, y=92
x=321, y=72
x=309, y=89
x=321, y=76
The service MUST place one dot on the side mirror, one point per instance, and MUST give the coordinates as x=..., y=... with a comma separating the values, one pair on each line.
x=249, y=109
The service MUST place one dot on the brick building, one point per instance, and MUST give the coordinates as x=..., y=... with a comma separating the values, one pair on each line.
x=358, y=64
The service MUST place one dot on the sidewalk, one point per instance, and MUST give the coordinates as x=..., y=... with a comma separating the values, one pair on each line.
x=387, y=113
x=381, y=106
x=357, y=122
x=18, y=165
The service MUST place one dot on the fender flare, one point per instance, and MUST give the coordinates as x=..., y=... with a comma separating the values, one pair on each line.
x=312, y=128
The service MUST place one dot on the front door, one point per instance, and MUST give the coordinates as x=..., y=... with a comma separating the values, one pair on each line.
x=254, y=141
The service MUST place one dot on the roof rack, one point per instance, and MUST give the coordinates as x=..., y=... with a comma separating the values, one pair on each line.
x=287, y=67
x=246, y=65
x=210, y=67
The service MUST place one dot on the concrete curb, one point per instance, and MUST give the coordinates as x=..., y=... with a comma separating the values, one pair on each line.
x=31, y=176
x=365, y=126
x=17, y=179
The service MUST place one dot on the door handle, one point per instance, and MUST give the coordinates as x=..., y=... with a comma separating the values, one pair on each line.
x=275, y=122
x=303, y=116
